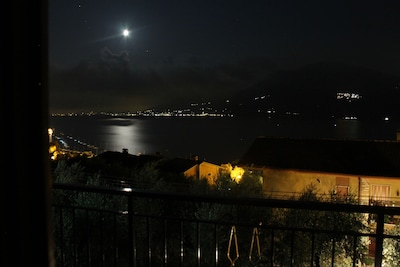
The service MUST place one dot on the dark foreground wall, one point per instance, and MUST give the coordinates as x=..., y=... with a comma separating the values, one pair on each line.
x=26, y=232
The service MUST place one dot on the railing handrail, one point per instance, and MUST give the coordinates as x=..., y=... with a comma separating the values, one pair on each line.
x=121, y=181
x=210, y=198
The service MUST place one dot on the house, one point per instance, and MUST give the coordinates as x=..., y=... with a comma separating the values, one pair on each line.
x=366, y=169
x=192, y=168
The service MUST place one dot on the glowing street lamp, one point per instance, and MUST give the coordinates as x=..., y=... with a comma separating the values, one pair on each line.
x=237, y=174
x=50, y=132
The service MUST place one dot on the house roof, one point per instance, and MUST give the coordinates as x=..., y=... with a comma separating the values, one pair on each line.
x=128, y=159
x=177, y=165
x=357, y=157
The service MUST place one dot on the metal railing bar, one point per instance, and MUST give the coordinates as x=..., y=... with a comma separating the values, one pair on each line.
x=257, y=202
x=228, y=223
x=272, y=247
x=198, y=244
x=131, y=236
x=355, y=243
x=101, y=222
x=123, y=182
x=75, y=256
x=312, y=231
x=272, y=226
x=165, y=242
x=292, y=248
x=277, y=227
x=149, y=250
x=379, y=239
x=216, y=245
x=312, y=248
x=182, y=248
x=74, y=234
x=62, y=238
x=88, y=244
x=333, y=251
x=115, y=234
x=94, y=209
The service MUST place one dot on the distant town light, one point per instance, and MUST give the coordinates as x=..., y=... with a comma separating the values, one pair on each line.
x=348, y=96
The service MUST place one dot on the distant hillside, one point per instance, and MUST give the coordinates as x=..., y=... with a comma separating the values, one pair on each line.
x=322, y=90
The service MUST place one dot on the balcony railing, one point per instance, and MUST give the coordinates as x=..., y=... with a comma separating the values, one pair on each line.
x=103, y=226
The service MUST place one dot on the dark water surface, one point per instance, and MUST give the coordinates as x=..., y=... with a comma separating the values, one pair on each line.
x=217, y=140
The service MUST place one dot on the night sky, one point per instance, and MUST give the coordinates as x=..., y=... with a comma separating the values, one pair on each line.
x=189, y=50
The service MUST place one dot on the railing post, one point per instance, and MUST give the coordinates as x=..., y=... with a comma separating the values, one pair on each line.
x=379, y=238
x=131, y=237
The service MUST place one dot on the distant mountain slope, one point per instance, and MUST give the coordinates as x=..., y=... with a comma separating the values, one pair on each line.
x=314, y=91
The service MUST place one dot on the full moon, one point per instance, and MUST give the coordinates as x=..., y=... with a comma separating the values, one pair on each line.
x=125, y=33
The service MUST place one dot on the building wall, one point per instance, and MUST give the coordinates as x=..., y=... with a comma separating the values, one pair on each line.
x=209, y=171
x=204, y=170
x=389, y=194
x=283, y=183
x=287, y=183
x=192, y=172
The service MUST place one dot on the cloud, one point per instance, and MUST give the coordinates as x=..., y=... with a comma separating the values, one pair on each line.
x=114, y=82
x=110, y=59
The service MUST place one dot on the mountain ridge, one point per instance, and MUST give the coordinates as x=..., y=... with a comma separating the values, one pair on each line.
x=314, y=91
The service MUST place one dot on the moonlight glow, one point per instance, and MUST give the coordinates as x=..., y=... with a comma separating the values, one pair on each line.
x=125, y=33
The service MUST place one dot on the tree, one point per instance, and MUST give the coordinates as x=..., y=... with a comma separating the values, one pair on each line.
x=244, y=218
x=322, y=244
x=391, y=247
x=80, y=233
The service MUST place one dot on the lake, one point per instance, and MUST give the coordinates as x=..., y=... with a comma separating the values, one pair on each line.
x=217, y=140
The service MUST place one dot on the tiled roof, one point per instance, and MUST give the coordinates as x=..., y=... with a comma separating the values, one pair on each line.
x=177, y=165
x=128, y=159
x=358, y=157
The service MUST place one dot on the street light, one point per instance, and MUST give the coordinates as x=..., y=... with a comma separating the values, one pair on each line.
x=50, y=131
